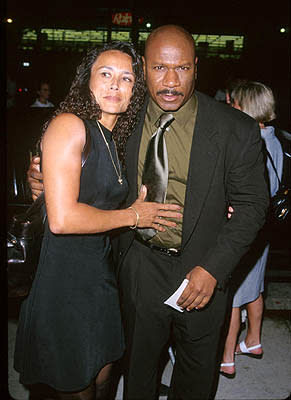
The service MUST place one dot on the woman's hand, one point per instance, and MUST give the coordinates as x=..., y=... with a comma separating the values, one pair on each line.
x=154, y=215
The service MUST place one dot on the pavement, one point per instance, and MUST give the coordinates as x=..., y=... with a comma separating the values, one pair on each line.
x=265, y=379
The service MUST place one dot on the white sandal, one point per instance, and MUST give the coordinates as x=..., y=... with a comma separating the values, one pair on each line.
x=247, y=351
x=227, y=374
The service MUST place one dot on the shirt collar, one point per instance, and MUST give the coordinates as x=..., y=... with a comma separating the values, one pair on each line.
x=268, y=131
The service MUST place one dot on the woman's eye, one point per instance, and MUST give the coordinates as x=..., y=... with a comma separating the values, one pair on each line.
x=105, y=74
x=127, y=79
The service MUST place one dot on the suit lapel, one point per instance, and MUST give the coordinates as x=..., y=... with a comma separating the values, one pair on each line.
x=203, y=158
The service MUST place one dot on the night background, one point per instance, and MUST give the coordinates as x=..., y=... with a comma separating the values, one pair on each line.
x=265, y=56
x=45, y=40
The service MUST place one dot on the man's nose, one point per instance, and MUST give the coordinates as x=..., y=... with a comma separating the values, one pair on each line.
x=171, y=79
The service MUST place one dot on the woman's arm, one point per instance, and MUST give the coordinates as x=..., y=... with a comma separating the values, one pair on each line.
x=62, y=148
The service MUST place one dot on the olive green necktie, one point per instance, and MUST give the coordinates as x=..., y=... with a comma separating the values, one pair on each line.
x=156, y=171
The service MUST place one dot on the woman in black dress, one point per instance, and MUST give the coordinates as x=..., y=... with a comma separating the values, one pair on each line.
x=70, y=328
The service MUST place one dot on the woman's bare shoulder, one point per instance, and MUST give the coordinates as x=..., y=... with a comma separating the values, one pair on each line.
x=67, y=119
x=66, y=125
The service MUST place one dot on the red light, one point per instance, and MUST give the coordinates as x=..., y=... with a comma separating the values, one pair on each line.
x=19, y=90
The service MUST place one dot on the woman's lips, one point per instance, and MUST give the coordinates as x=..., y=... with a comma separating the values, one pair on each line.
x=113, y=99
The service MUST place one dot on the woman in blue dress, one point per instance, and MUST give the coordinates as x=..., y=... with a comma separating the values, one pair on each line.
x=70, y=329
x=256, y=100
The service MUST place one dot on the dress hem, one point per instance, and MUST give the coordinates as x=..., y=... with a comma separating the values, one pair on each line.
x=75, y=389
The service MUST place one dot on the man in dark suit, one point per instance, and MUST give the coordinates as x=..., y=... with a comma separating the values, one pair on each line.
x=214, y=160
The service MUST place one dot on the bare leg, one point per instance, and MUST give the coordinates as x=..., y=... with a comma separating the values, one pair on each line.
x=255, y=315
x=231, y=340
x=104, y=383
x=86, y=394
x=99, y=389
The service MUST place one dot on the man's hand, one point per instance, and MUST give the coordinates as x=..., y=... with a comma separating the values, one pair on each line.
x=34, y=177
x=199, y=289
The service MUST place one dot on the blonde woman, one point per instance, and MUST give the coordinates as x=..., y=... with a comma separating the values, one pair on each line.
x=256, y=100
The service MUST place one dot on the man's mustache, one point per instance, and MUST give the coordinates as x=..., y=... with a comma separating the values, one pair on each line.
x=170, y=92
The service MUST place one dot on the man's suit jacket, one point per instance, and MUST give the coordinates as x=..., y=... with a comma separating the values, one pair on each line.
x=226, y=167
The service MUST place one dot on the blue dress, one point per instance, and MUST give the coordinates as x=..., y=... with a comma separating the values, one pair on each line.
x=253, y=284
x=70, y=324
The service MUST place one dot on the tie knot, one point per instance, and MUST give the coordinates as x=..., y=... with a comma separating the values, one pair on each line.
x=165, y=120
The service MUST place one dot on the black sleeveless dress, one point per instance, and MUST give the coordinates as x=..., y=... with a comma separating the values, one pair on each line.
x=70, y=324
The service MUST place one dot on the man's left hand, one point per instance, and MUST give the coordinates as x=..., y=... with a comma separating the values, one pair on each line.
x=199, y=290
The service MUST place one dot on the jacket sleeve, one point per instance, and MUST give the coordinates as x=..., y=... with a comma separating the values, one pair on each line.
x=247, y=192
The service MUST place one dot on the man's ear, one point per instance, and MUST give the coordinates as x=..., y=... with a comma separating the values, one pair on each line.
x=143, y=64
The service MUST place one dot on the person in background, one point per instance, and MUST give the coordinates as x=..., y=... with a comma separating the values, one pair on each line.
x=223, y=94
x=43, y=94
x=70, y=329
x=214, y=158
x=256, y=100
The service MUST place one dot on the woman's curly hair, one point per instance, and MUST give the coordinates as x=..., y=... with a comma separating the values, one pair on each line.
x=81, y=101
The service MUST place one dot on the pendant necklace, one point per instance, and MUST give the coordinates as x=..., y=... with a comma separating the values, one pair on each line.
x=118, y=171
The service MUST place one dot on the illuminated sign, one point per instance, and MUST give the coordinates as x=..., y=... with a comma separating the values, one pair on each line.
x=124, y=19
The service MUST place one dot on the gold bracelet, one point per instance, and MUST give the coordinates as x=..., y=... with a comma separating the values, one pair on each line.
x=137, y=217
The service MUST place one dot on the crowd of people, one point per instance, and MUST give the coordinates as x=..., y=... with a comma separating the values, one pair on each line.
x=113, y=251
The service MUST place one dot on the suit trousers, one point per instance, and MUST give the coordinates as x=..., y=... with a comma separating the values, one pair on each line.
x=147, y=278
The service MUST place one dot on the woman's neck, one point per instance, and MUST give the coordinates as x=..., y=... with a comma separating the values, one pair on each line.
x=108, y=121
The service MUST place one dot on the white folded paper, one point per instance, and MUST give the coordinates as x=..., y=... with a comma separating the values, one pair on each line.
x=172, y=300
